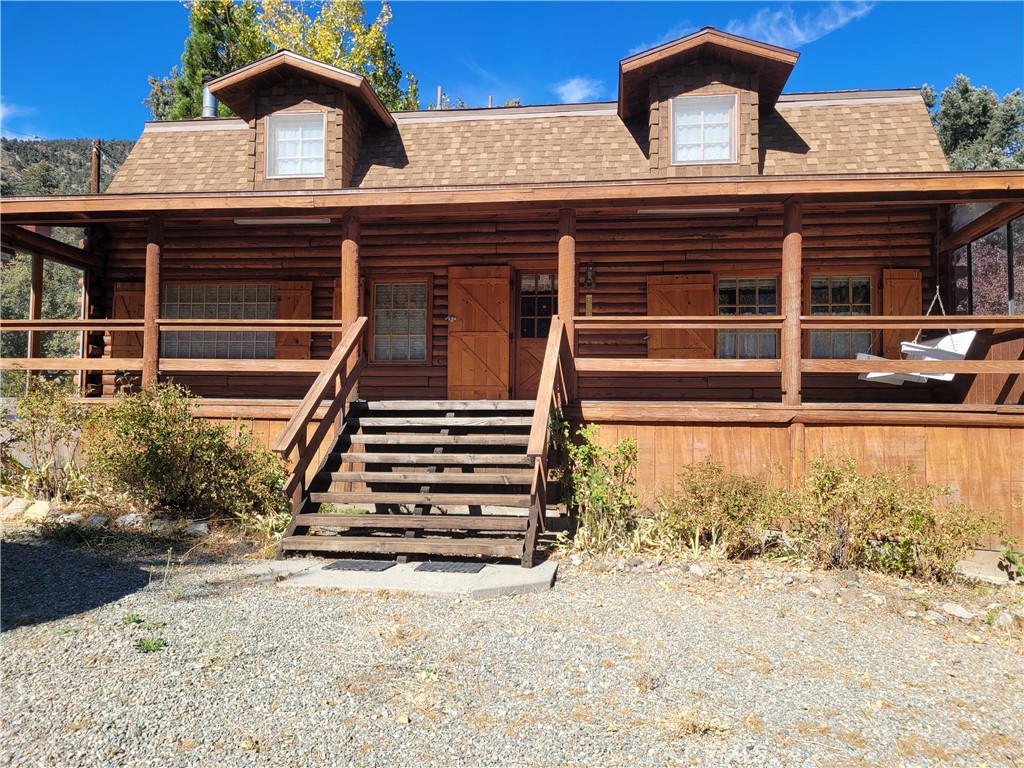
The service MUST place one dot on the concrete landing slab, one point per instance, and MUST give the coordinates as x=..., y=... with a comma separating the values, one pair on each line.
x=492, y=581
x=983, y=565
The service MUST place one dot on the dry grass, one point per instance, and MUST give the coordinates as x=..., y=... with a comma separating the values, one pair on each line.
x=692, y=721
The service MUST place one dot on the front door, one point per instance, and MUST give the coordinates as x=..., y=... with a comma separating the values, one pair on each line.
x=536, y=303
x=681, y=296
x=479, y=322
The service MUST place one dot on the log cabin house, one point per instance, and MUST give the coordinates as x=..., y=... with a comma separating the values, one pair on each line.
x=696, y=265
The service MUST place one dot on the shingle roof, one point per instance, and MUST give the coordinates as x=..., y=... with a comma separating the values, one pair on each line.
x=854, y=132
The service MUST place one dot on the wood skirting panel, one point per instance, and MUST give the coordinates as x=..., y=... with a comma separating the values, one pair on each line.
x=980, y=464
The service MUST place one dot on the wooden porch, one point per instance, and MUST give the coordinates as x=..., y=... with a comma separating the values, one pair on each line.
x=630, y=342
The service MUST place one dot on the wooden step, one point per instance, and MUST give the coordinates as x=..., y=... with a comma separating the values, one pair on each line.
x=417, y=522
x=431, y=438
x=441, y=421
x=446, y=459
x=437, y=499
x=425, y=545
x=443, y=405
x=435, y=478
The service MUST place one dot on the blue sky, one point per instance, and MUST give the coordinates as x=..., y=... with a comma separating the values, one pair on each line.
x=78, y=69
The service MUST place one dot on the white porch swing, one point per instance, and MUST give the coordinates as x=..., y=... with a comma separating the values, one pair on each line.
x=952, y=346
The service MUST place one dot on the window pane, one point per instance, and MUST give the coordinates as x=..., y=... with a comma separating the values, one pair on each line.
x=223, y=302
x=819, y=291
x=400, y=322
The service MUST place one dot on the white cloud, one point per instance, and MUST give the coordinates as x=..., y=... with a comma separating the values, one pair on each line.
x=577, y=89
x=8, y=110
x=680, y=30
x=780, y=25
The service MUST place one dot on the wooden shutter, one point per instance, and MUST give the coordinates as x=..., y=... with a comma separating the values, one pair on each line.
x=685, y=296
x=294, y=302
x=129, y=304
x=901, y=295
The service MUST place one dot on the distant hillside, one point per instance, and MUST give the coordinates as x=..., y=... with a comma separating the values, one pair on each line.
x=68, y=165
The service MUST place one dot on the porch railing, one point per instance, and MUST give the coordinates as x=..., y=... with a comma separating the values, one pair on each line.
x=1000, y=328
x=556, y=389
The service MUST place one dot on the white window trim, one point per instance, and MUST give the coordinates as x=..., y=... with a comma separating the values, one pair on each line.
x=271, y=154
x=734, y=129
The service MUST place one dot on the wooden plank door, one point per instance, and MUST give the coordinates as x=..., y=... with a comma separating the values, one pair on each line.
x=901, y=295
x=681, y=295
x=479, y=311
x=294, y=302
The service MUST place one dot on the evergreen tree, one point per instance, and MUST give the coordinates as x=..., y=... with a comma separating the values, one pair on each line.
x=976, y=130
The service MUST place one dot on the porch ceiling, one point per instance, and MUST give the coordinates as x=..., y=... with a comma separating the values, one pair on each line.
x=876, y=189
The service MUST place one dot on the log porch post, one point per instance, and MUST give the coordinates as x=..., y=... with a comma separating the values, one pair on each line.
x=151, y=312
x=35, y=305
x=792, y=286
x=350, y=229
x=568, y=272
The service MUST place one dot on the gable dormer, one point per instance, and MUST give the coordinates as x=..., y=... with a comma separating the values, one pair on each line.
x=306, y=120
x=703, y=96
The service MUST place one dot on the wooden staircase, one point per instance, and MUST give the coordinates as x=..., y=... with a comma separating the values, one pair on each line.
x=427, y=478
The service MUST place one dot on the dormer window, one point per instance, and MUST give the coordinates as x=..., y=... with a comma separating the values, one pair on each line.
x=295, y=145
x=704, y=129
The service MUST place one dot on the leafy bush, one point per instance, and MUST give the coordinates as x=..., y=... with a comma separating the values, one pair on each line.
x=716, y=511
x=882, y=521
x=45, y=426
x=151, y=444
x=602, y=485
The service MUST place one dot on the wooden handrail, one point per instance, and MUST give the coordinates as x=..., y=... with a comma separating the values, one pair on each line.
x=71, y=364
x=314, y=326
x=547, y=390
x=643, y=322
x=71, y=325
x=913, y=366
x=632, y=365
x=912, y=322
x=321, y=388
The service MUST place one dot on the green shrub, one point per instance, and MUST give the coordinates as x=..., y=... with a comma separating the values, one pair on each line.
x=882, y=521
x=151, y=445
x=602, y=489
x=45, y=428
x=714, y=511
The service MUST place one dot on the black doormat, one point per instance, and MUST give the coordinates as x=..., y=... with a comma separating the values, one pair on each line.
x=450, y=567
x=359, y=565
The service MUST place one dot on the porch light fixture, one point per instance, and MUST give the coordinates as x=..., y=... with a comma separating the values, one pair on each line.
x=264, y=222
x=589, y=275
x=685, y=211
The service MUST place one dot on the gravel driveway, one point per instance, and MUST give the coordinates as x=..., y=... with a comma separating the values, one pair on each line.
x=644, y=666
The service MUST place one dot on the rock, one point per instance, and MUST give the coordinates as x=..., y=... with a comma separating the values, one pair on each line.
x=15, y=508
x=131, y=520
x=847, y=578
x=696, y=571
x=829, y=587
x=767, y=576
x=199, y=530
x=4, y=501
x=633, y=562
x=1003, y=621
x=160, y=525
x=801, y=577
x=957, y=610
x=879, y=600
x=37, y=512
x=906, y=585
x=96, y=521
x=576, y=560
x=1018, y=618
x=814, y=592
x=911, y=614
x=787, y=579
x=72, y=518
x=934, y=618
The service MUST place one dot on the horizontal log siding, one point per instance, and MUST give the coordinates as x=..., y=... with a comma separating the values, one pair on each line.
x=624, y=251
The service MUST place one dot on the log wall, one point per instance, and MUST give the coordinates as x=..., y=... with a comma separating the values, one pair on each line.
x=623, y=251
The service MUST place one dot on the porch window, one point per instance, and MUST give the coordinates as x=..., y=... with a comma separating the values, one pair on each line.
x=218, y=302
x=840, y=295
x=538, y=298
x=703, y=129
x=295, y=146
x=748, y=296
x=400, y=322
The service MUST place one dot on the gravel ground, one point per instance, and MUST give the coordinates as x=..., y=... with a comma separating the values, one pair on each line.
x=642, y=666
